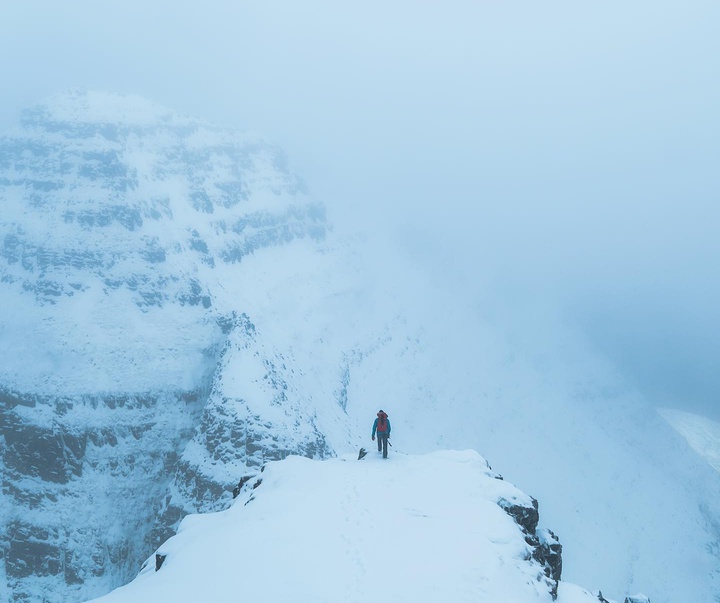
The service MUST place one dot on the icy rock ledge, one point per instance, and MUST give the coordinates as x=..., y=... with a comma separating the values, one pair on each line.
x=545, y=546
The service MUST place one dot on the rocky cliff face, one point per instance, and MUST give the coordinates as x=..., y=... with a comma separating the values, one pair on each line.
x=256, y=412
x=119, y=193
x=122, y=227
x=83, y=479
x=175, y=313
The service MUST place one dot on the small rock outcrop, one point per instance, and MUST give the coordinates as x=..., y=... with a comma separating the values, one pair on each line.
x=547, y=550
x=544, y=545
x=525, y=516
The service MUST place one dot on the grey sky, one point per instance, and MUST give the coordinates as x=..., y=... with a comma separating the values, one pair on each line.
x=569, y=151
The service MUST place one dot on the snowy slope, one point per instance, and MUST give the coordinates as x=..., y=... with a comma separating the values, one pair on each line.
x=702, y=434
x=409, y=529
x=545, y=409
x=178, y=313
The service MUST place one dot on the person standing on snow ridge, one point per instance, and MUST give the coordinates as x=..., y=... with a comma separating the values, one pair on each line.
x=381, y=426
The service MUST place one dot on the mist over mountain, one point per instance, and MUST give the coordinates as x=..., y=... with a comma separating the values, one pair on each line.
x=181, y=311
x=578, y=143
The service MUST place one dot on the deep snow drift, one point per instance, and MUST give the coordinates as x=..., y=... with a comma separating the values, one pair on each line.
x=407, y=529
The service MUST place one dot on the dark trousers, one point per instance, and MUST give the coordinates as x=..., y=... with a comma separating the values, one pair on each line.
x=382, y=443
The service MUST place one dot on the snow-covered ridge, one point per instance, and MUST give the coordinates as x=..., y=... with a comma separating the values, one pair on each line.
x=177, y=313
x=409, y=529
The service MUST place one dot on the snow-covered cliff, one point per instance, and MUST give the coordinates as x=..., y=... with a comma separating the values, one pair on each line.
x=117, y=213
x=123, y=226
x=178, y=312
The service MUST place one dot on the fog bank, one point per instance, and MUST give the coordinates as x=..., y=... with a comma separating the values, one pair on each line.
x=555, y=155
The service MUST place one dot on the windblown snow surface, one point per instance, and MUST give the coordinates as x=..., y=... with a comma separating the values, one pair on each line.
x=409, y=529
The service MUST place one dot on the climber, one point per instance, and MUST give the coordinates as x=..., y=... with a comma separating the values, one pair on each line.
x=382, y=427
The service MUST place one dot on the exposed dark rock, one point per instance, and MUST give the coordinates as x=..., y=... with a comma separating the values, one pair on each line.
x=32, y=551
x=243, y=480
x=526, y=517
x=154, y=253
x=159, y=560
x=50, y=548
x=637, y=599
x=547, y=551
x=43, y=452
x=9, y=399
x=261, y=230
x=545, y=547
